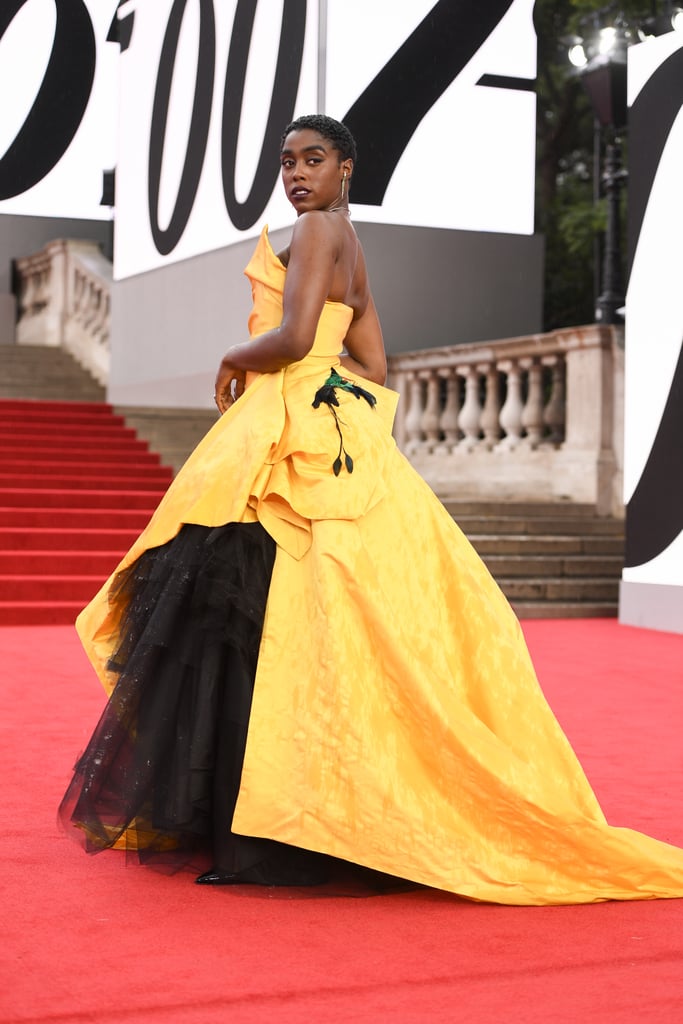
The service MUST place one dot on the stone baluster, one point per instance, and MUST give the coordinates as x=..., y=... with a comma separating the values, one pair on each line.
x=74, y=296
x=413, y=419
x=79, y=295
x=91, y=308
x=490, y=416
x=469, y=419
x=555, y=411
x=33, y=293
x=102, y=325
x=40, y=291
x=86, y=318
x=106, y=319
x=432, y=412
x=95, y=303
x=511, y=413
x=39, y=312
x=25, y=297
x=532, y=414
x=451, y=411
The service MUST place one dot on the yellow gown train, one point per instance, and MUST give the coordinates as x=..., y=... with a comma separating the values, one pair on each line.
x=396, y=721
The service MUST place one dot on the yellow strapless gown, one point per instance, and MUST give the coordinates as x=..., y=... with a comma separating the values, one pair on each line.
x=396, y=721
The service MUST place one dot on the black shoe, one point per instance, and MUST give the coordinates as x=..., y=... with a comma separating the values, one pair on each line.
x=215, y=877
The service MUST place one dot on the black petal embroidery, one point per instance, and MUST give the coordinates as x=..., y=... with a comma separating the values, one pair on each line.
x=328, y=395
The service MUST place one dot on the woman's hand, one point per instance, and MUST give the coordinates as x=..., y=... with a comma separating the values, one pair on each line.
x=230, y=382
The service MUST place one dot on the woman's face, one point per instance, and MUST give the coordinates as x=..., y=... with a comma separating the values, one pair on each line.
x=311, y=171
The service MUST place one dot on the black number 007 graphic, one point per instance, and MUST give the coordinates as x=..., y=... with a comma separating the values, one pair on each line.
x=383, y=118
x=51, y=124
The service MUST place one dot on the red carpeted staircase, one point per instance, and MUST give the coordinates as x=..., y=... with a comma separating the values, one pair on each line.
x=76, y=487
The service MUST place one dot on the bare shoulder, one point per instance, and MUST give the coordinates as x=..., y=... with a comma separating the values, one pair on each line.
x=314, y=231
x=317, y=228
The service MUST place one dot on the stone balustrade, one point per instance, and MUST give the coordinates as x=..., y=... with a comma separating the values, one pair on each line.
x=64, y=297
x=532, y=418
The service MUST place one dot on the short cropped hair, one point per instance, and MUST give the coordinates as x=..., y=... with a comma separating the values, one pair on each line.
x=334, y=131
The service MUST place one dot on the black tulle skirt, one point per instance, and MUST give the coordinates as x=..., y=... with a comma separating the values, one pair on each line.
x=164, y=763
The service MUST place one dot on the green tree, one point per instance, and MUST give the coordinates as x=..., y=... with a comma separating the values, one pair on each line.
x=567, y=213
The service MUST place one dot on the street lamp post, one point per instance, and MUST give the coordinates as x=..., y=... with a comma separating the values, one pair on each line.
x=604, y=79
x=610, y=302
x=600, y=62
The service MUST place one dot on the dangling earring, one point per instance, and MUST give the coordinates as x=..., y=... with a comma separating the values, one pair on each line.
x=343, y=185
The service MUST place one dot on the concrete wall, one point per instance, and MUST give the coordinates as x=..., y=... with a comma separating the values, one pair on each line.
x=651, y=606
x=21, y=236
x=8, y=316
x=170, y=327
x=437, y=288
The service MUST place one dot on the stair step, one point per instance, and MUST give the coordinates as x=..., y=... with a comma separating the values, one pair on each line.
x=14, y=587
x=50, y=392
x=45, y=373
x=84, y=445
x=27, y=470
x=549, y=565
x=154, y=482
x=60, y=563
x=37, y=354
x=76, y=486
x=76, y=519
x=550, y=560
x=59, y=540
x=512, y=544
x=46, y=414
x=565, y=609
x=39, y=613
x=555, y=588
x=30, y=497
x=565, y=524
x=66, y=431
x=458, y=508
x=93, y=408
x=11, y=458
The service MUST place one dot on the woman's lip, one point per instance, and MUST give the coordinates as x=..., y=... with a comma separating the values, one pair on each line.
x=300, y=193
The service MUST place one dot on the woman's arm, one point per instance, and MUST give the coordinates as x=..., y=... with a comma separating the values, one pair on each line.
x=365, y=347
x=313, y=255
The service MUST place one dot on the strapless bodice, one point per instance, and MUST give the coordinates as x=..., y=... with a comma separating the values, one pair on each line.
x=267, y=276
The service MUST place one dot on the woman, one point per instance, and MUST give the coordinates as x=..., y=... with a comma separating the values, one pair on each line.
x=396, y=722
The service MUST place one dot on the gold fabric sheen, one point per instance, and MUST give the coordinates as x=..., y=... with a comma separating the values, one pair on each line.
x=397, y=721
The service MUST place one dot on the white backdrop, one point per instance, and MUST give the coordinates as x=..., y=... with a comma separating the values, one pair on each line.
x=209, y=225
x=80, y=97
x=195, y=172
x=654, y=313
x=469, y=165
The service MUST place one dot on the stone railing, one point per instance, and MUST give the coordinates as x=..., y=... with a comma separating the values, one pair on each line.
x=533, y=418
x=64, y=299
x=536, y=418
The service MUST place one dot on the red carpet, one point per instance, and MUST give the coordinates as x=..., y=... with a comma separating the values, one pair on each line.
x=91, y=940
x=76, y=488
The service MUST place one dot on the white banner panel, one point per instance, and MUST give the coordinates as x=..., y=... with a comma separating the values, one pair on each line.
x=203, y=104
x=440, y=98
x=207, y=88
x=653, y=465
x=58, y=83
